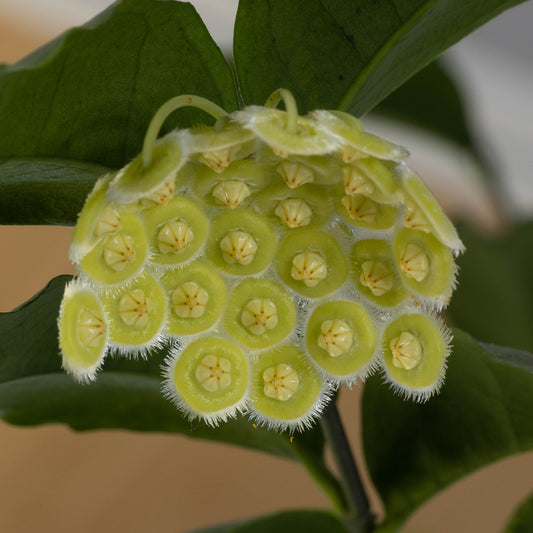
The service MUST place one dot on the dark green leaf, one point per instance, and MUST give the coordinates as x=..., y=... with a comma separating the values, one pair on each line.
x=518, y=358
x=430, y=100
x=222, y=528
x=29, y=335
x=287, y=521
x=90, y=94
x=482, y=415
x=121, y=400
x=494, y=299
x=347, y=54
x=44, y=191
x=522, y=520
x=126, y=395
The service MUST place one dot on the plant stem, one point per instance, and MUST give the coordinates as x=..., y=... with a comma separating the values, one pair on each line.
x=184, y=100
x=359, y=518
x=290, y=106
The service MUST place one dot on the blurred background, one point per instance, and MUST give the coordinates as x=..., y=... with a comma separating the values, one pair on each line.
x=53, y=479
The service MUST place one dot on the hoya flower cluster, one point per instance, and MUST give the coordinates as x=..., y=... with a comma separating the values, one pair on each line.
x=278, y=255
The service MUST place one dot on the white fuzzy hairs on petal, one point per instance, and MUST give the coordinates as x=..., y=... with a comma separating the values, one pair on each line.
x=330, y=144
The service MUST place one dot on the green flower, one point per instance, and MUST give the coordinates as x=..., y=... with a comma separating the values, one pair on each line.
x=279, y=256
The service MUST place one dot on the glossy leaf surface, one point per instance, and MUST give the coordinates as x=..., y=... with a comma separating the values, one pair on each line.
x=293, y=521
x=494, y=299
x=522, y=520
x=126, y=395
x=347, y=54
x=482, y=414
x=430, y=100
x=90, y=94
x=44, y=191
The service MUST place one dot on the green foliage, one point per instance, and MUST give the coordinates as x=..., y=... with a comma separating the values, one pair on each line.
x=88, y=96
x=522, y=520
x=430, y=100
x=34, y=390
x=481, y=415
x=81, y=105
x=293, y=521
x=347, y=54
x=41, y=191
x=73, y=100
x=495, y=300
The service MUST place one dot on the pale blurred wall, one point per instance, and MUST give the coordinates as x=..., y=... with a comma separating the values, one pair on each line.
x=55, y=480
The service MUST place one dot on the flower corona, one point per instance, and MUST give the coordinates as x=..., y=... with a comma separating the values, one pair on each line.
x=275, y=256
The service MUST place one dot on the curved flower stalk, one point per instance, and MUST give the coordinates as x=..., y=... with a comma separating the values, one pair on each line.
x=280, y=256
